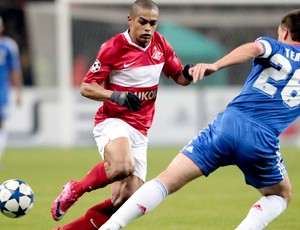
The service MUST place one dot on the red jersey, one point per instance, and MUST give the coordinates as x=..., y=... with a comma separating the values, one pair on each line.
x=121, y=65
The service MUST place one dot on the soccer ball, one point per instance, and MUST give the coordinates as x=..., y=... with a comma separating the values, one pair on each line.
x=16, y=198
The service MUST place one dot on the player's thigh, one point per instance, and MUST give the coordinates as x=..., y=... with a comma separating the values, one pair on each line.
x=118, y=151
x=180, y=171
x=116, y=140
x=111, y=136
x=122, y=190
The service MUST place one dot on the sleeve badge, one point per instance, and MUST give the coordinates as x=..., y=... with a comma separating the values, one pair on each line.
x=96, y=66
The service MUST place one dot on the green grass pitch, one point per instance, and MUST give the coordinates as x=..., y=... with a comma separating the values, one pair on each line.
x=220, y=201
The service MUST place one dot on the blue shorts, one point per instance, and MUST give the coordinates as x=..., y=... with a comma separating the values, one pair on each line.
x=234, y=138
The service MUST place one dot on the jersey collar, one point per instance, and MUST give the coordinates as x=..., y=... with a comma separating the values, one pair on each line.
x=126, y=34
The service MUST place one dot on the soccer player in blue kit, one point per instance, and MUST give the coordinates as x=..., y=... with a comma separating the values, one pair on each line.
x=245, y=134
x=10, y=72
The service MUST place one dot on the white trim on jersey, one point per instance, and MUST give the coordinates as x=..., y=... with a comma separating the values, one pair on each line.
x=145, y=76
x=126, y=34
x=268, y=48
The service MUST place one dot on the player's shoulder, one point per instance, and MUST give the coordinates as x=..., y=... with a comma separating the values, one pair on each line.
x=267, y=39
x=114, y=42
x=275, y=44
x=159, y=38
x=271, y=45
x=160, y=41
x=9, y=43
x=112, y=46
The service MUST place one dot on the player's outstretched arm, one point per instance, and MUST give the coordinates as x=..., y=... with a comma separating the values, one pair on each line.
x=239, y=55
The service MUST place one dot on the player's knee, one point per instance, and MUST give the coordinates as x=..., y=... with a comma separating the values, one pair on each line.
x=124, y=169
x=287, y=195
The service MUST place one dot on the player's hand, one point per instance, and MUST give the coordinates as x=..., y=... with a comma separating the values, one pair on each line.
x=201, y=70
x=126, y=99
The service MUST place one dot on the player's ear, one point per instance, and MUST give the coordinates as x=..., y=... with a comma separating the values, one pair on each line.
x=286, y=33
x=130, y=20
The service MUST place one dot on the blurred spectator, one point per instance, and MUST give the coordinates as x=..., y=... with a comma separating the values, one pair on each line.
x=10, y=73
x=12, y=13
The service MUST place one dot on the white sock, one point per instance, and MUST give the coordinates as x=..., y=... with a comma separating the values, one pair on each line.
x=263, y=212
x=3, y=141
x=144, y=200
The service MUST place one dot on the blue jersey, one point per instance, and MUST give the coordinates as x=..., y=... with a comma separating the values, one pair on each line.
x=271, y=94
x=9, y=61
x=246, y=133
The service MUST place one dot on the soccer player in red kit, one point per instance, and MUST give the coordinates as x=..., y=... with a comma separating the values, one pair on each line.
x=125, y=77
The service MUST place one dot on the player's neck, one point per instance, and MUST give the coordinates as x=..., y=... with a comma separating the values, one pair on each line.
x=293, y=43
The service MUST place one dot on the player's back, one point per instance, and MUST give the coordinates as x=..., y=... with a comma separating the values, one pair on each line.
x=9, y=60
x=271, y=93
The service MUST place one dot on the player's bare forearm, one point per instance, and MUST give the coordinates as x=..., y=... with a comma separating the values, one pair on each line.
x=240, y=54
x=95, y=92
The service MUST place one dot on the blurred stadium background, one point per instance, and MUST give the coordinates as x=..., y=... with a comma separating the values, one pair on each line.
x=59, y=40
